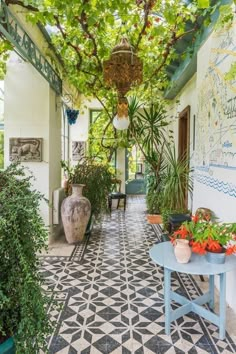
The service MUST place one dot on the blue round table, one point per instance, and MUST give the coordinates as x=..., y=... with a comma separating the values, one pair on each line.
x=163, y=254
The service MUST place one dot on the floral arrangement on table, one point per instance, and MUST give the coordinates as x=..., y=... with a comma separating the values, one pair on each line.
x=207, y=236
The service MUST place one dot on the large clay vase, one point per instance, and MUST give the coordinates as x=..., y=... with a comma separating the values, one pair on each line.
x=182, y=251
x=75, y=212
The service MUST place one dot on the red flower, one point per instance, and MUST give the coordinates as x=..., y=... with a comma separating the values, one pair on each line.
x=195, y=218
x=230, y=250
x=199, y=247
x=214, y=246
x=172, y=240
x=182, y=232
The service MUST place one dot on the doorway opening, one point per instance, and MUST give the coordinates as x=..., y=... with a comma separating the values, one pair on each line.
x=135, y=171
x=184, y=138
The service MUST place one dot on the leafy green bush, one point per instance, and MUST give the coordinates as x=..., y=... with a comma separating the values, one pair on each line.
x=153, y=203
x=22, y=235
x=166, y=212
x=98, y=180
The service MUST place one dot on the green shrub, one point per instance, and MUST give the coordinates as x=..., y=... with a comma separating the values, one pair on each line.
x=166, y=212
x=22, y=235
x=98, y=181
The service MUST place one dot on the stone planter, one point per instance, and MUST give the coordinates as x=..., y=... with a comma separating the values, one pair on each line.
x=75, y=212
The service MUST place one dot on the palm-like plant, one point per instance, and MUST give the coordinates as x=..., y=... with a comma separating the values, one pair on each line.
x=178, y=180
x=147, y=128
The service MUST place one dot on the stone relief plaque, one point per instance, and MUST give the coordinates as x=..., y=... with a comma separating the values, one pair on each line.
x=25, y=149
x=78, y=150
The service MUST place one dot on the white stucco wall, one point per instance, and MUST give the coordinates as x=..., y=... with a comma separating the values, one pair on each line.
x=30, y=112
x=1, y=100
x=80, y=130
x=212, y=99
x=187, y=97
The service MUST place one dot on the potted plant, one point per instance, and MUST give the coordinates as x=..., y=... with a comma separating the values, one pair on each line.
x=23, y=304
x=98, y=181
x=207, y=237
x=148, y=130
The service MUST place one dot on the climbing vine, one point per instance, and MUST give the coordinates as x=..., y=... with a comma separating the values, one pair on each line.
x=84, y=33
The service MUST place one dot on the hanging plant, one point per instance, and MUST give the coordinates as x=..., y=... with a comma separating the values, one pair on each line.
x=72, y=115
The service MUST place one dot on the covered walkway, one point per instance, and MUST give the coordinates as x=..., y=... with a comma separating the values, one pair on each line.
x=112, y=295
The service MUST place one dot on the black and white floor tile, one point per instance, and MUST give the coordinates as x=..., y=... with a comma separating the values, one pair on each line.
x=111, y=295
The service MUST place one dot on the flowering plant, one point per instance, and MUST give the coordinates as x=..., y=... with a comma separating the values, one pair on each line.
x=204, y=235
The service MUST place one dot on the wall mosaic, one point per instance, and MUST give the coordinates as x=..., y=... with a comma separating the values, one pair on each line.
x=216, y=120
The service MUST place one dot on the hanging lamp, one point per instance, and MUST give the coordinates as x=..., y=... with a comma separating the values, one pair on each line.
x=121, y=120
x=122, y=70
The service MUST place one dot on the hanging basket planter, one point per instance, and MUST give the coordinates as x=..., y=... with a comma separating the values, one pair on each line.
x=72, y=115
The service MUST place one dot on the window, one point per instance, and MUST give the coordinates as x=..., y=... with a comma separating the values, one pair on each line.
x=65, y=136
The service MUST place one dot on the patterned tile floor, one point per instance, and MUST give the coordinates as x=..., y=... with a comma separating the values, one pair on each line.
x=111, y=295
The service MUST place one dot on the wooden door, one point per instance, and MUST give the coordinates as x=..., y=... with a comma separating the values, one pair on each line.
x=184, y=138
x=184, y=119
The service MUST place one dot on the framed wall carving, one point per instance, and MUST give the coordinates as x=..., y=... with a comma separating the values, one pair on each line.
x=78, y=150
x=25, y=149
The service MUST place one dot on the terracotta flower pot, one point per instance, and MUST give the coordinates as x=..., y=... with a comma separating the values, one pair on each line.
x=154, y=219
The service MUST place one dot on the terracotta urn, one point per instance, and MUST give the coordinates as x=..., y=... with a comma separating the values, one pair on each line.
x=75, y=212
x=182, y=251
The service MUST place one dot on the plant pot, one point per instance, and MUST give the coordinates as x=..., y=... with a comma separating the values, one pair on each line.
x=154, y=219
x=8, y=347
x=182, y=251
x=216, y=258
x=165, y=237
x=75, y=212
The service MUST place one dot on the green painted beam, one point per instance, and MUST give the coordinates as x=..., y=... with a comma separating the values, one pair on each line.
x=13, y=31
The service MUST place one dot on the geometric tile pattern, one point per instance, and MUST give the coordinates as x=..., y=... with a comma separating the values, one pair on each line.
x=112, y=297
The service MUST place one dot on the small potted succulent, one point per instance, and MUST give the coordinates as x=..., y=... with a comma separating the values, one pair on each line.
x=206, y=237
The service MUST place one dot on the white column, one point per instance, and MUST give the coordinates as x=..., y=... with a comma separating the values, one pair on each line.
x=30, y=112
x=120, y=164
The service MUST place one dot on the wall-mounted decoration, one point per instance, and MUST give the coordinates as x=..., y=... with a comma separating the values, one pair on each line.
x=216, y=118
x=25, y=149
x=72, y=115
x=78, y=150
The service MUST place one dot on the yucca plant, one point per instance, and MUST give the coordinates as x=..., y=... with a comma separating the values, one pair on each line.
x=178, y=180
x=148, y=129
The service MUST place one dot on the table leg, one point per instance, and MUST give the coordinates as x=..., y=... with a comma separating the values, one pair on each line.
x=211, y=290
x=222, y=305
x=167, y=283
